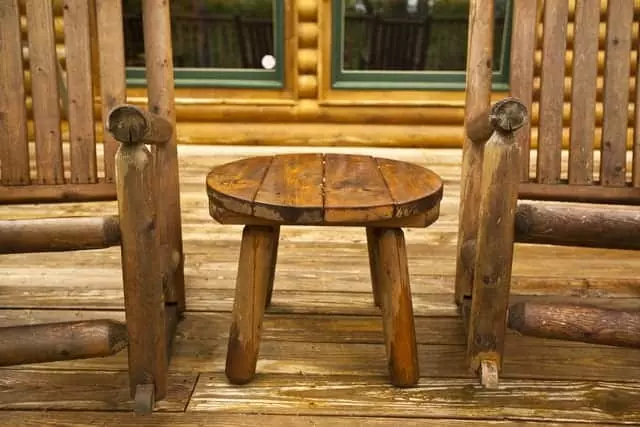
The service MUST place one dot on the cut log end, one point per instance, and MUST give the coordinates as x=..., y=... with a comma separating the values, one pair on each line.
x=489, y=374
x=127, y=124
x=145, y=398
x=508, y=115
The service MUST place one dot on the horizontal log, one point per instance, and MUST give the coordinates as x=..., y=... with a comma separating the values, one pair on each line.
x=591, y=227
x=563, y=192
x=100, y=192
x=130, y=124
x=51, y=342
x=58, y=234
x=576, y=323
x=506, y=115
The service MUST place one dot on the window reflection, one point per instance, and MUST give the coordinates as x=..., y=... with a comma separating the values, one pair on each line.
x=210, y=34
x=411, y=35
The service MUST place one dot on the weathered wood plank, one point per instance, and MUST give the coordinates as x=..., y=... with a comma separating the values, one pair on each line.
x=551, y=91
x=583, y=88
x=14, y=154
x=80, y=92
x=356, y=396
x=204, y=419
x=616, y=93
x=45, y=92
x=92, y=391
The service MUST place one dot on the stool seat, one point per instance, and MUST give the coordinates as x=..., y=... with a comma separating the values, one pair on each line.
x=322, y=189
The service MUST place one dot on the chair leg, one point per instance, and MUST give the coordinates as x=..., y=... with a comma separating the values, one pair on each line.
x=142, y=279
x=493, y=258
x=274, y=261
x=392, y=281
x=374, y=258
x=255, y=271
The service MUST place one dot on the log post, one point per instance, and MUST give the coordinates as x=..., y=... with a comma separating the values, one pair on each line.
x=478, y=99
x=52, y=342
x=160, y=86
x=142, y=275
x=573, y=322
x=494, y=244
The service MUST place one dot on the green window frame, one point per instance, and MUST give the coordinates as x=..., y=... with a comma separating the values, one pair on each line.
x=411, y=80
x=230, y=78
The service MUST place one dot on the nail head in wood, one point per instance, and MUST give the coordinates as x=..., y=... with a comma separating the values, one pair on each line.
x=132, y=125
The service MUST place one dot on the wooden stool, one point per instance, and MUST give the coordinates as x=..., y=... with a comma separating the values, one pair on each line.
x=382, y=195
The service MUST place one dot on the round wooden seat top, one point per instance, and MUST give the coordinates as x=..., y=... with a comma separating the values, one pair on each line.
x=326, y=189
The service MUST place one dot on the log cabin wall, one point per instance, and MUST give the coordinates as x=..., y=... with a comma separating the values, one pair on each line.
x=308, y=110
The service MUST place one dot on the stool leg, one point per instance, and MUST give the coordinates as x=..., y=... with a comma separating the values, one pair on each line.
x=274, y=260
x=254, y=273
x=373, y=265
x=399, y=328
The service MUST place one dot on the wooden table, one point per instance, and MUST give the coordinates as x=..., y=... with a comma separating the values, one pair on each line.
x=382, y=195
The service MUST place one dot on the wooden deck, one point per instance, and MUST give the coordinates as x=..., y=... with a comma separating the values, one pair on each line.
x=322, y=358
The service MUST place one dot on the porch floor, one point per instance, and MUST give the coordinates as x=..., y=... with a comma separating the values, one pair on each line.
x=322, y=359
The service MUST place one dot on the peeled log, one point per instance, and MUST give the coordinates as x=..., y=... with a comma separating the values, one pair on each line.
x=58, y=234
x=592, y=227
x=573, y=322
x=51, y=342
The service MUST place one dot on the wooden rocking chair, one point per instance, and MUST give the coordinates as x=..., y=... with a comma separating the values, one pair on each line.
x=148, y=224
x=495, y=174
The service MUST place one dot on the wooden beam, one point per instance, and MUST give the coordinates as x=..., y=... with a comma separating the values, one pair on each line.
x=58, y=234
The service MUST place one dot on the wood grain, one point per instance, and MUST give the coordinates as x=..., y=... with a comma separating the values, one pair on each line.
x=600, y=402
x=551, y=75
x=204, y=419
x=523, y=40
x=355, y=190
x=295, y=181
x=317, y=189
x=583, y=87
x=45, y=93
x=80, y=92
x=616, y=93
x=113, y=84
x=14, y=152
x=96, y=390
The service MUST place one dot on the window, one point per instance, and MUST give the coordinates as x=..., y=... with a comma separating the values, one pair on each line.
x=216, y=43
x=410, y=44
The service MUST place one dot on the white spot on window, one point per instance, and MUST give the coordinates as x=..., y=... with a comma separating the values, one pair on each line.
x=268, y=62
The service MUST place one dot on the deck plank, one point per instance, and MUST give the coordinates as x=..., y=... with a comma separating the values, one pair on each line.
x=82, y=390
x=322, y=335
x=357, y=396
x=202, y=419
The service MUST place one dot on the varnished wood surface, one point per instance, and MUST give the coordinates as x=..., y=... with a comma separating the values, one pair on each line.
x=322, y=352
x=319, y=188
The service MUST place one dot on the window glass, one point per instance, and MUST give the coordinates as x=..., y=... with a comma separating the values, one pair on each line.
x=419, y=36
x=215, y=35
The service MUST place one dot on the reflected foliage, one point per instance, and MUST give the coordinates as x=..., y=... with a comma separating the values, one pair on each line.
x=209, y=33
x=411, y=35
